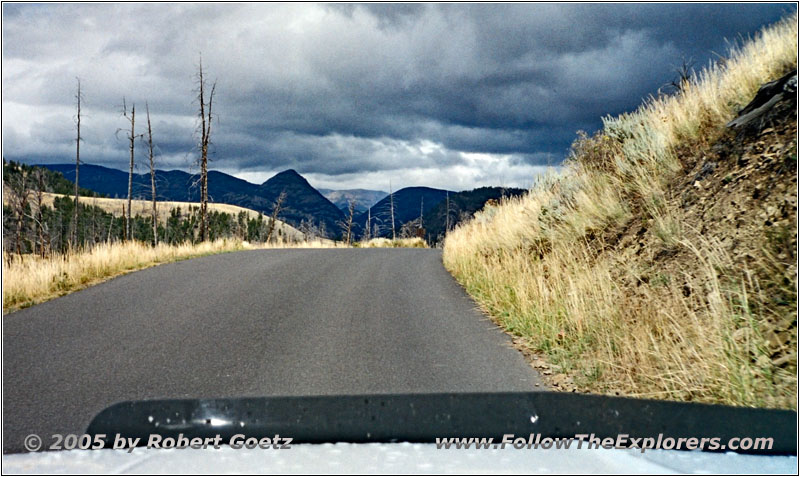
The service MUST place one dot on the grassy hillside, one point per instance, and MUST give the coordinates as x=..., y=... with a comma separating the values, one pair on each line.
x=144, y=208
x=660, y=262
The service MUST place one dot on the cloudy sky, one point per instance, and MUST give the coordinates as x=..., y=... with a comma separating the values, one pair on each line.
x=452, y=96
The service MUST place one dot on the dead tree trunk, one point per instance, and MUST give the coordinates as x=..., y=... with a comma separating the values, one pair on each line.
x=391, y=207
x=421, y=211
x=39, y=201
x=110, y=228
x=368, y=233
x=77, y=167
x=205, y=129
x=767, y=96
x=274, y=217
x=124, y=225
x=152, y=176
x=447, y=214
x=19, y=202
x=132, y=138
x=351, y=207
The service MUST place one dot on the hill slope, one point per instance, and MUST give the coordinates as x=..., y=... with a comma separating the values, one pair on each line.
x=407, y=205
x=363, y=198
x=303, y=202
x=165, y=208
x=662, y=262
x=52, y=181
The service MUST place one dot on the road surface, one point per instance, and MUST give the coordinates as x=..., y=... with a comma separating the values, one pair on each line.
x=253, y=323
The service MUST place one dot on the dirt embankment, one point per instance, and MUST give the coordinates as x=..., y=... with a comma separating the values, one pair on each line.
x=737, y=194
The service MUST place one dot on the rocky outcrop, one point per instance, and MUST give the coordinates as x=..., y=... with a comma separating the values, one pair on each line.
x=768, y=95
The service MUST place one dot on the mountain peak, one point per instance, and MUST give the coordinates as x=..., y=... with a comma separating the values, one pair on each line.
x=289, y=172
x=290, y=175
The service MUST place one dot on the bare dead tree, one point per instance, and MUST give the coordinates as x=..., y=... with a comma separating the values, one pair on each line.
x=421, y=210
x=351, y=208
x=309, y=230
x=391, y=208
x=275, y=211
x=94, y=223
x=368, y=231
x=407, y=229
x=132, y=139
x=124, y=225
x=684, y=72
x=152, y=175
x=447, y=213
x=39, y=196
x=205, y=139
x=111, y=226
x=18, y=200
x=77, y=165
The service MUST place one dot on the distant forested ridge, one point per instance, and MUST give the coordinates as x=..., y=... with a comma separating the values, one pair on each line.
x=463, y=206
x=27, y=228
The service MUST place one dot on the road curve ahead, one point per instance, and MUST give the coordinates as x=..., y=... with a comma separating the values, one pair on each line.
x=253, y=323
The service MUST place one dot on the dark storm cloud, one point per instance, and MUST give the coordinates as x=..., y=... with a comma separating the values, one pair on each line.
x=351, y=94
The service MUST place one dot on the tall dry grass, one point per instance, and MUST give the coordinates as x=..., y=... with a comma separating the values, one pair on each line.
x=381, y=242
x=536, y=263
x=30, y=279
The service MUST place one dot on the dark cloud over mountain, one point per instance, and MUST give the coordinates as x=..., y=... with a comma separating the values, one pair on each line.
x=452, y=95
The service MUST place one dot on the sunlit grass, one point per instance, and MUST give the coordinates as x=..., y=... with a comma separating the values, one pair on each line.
x=30, y=279
x=537, y=264
x=379, y=242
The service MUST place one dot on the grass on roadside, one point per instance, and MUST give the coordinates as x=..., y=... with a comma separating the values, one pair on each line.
x=540, y=266
x=415, y=242
x=30, y=279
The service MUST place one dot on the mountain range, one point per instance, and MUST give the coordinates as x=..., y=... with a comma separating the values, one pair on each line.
x=363, y=198
x=304, y=206
x=303, y=203
x=408, y=204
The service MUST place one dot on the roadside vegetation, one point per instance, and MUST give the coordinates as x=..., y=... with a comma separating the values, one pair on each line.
x=142, y=207
x=379, y=242
x=36, y=219
x=30, y=279
x=660, y=261
x=50, y=251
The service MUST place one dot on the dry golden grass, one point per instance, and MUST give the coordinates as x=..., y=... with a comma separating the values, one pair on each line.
x=313, y=243
x=380, y=242
x=30, y=279
x=538, y=266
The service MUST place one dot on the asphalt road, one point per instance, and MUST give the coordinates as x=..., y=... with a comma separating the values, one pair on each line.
x=253, y=323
